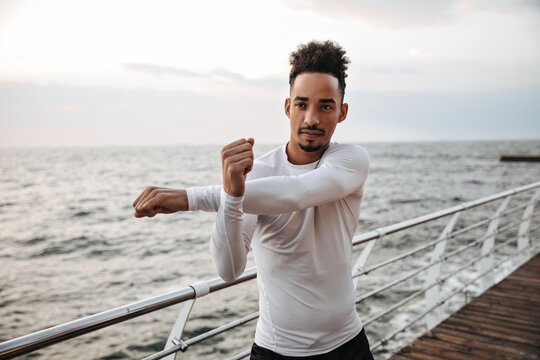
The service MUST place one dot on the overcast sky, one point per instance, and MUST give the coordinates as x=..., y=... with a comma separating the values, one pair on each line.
x=130, y=72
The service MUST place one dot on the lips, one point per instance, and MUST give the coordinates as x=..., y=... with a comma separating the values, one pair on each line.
x=311, y=135
x=311, y=132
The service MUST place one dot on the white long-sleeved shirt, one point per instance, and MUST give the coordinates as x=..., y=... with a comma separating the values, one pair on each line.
x=299, y=220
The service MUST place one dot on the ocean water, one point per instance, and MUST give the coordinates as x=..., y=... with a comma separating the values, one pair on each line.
x=70, y=246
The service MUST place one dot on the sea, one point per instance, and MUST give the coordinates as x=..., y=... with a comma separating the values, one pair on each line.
x=71, y=247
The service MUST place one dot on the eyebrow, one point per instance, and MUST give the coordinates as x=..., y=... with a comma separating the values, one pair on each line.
x=327, y=101
x=302, y=98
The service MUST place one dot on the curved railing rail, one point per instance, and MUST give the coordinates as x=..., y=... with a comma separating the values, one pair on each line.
x=433, y=291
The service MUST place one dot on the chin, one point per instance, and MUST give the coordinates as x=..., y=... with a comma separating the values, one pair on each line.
x=310, y=147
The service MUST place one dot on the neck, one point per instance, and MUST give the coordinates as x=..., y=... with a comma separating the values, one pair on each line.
x=297, y=156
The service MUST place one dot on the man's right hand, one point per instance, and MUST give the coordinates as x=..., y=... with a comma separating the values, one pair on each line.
x=154, y=200
x=236, y=163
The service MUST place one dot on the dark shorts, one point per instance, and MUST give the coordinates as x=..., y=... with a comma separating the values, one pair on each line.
x=355, y=349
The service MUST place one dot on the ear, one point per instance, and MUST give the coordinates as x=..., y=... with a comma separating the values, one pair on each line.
x=344, y=109
x=288, y=107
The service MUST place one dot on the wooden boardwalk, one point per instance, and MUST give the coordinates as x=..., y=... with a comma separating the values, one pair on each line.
x=502, y=323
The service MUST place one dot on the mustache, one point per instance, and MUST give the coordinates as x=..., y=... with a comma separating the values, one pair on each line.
x=311, y=128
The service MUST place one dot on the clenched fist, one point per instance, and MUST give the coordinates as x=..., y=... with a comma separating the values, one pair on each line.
x=155, y=200
x=236, y=163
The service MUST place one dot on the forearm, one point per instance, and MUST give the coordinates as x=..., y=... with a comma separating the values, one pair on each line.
x=228, y=245
x=337, y=177
x=342, y=171
x=283, y=194
x=278, y=195
x=204, y=198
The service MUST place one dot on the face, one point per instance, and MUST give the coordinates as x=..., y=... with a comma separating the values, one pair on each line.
x=314, y=110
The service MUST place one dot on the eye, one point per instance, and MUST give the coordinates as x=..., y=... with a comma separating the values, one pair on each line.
x=300, y=105
x=327, y=107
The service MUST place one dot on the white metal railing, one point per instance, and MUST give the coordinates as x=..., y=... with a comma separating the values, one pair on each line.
x=430, y=272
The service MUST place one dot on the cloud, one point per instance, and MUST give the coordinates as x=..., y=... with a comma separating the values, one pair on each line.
x=406, y=70
x=267, y=82
x=229, y=75
x=223, y=75
x=499, y=5
x=159, y=70
x=394, y=13
x=411, y=13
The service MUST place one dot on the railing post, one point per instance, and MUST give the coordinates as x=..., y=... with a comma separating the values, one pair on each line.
x=175, y=337
x=433, y=294
x=488, y=258
x=526, y=219
x=362, y=259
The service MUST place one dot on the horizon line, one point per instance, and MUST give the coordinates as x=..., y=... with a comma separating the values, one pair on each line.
x=194, y=144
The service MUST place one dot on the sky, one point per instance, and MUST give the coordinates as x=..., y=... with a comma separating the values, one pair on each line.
x=164, y=72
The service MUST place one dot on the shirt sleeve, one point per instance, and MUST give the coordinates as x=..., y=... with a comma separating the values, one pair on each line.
x=340, y=174
x=231, y=237
x=204, y=198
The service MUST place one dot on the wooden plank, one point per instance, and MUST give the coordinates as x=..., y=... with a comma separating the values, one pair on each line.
x=514, y=294
x=417, y=355
x=486, y=330
x=444, y=350
x=494, y=320
x=401, y=357
x=482, y=342
x=502, y=323
x=524, y=318
x=507, y=310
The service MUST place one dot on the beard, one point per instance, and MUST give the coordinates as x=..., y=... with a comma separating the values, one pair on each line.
x=310, y=147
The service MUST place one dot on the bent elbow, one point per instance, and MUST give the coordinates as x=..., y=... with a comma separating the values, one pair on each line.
x=229, y=275
x=228, y=268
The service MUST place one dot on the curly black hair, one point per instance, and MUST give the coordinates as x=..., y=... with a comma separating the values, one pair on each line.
x=323, y=57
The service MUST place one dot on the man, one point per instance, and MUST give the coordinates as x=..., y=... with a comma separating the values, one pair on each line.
x=297, y=207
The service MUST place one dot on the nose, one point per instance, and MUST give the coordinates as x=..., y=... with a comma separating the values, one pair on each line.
x=311, y=118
